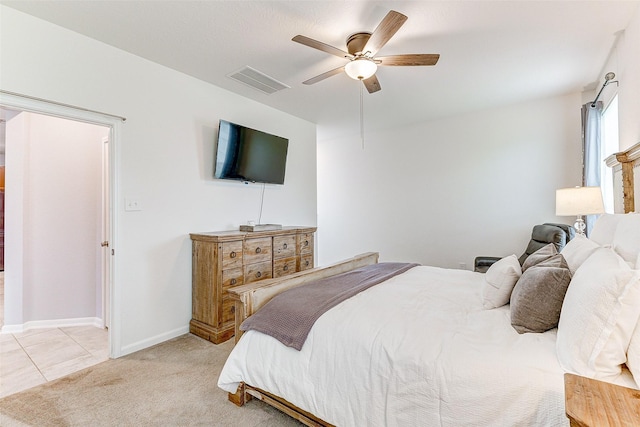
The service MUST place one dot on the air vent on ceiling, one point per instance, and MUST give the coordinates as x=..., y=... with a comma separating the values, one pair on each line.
x=258, y=80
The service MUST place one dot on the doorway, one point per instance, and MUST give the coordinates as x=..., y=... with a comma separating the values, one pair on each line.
x=57, y=244
x=17, y=102
x=55, y=219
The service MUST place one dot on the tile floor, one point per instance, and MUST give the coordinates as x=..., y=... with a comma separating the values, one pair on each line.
x=39, y=355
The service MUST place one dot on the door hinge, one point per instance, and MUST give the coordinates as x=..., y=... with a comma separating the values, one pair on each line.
x=105, y=243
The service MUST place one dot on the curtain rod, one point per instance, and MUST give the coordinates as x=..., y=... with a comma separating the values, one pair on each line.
x=607, y=79
x=6, y=92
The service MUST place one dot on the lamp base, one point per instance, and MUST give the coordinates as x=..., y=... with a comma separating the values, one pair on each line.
x=580, y=225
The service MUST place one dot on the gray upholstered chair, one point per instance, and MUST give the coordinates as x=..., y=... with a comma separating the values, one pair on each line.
x=542, y=235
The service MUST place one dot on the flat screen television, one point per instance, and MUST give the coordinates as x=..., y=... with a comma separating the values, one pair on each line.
x=250, y=155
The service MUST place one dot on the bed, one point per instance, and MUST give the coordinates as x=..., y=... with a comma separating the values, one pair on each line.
x=379, y=374
x=425, y=348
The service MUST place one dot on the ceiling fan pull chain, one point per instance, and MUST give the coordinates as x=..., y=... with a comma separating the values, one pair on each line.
x=362, y=115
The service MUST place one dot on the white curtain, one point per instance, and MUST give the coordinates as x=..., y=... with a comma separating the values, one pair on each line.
x=591, y=143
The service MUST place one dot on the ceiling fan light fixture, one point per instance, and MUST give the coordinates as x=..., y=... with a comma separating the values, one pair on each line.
x=361, y=68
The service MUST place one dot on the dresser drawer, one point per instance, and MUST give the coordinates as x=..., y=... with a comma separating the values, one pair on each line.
x=259, y=271
x=231, y=254
x=228, y=310
x=305, y=243
x=306, y=262
x=231, y=278
x=284, y=266
x=257, y=250
x=284, y=246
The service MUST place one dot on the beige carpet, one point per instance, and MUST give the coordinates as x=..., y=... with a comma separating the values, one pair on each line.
x=171, y=384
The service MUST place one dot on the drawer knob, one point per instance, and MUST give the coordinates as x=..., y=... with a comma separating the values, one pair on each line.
x=306, y=243
x=306, y=263
x=258, y=274
x=233, y=282
x=233, y=254
x=258, y=250
x=284, y=246
x=233, y=309
x=285, y=268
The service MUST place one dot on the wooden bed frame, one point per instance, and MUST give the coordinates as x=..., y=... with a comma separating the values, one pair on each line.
x=246, y=392
x=249, y=298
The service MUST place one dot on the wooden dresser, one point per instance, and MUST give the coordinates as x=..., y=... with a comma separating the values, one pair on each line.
x=225, y=259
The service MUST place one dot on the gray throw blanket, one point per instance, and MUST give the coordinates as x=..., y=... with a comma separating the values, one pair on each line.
x=289, y=316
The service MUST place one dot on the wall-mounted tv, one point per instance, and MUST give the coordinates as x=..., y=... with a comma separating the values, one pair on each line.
x=250, y=155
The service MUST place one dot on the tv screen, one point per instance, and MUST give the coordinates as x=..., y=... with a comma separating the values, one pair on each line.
x=250, y=155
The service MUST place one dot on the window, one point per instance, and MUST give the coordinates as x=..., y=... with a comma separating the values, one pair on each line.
x=609, y=146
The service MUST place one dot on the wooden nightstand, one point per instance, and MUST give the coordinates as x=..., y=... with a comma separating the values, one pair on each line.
x=596, y=403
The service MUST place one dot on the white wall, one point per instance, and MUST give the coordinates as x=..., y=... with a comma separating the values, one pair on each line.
x=442, y=192
x=52, y=218
x=445, y=191
x=629, y=90
x=624, y=61
x=165, y=159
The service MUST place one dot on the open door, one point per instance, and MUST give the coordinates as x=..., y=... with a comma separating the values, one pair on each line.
x=106, y=233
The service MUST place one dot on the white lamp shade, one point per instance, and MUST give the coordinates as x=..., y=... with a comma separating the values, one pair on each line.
x=361, y=68
x=579, y=201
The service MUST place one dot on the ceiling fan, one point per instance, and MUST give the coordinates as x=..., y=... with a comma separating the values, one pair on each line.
x=362, y=48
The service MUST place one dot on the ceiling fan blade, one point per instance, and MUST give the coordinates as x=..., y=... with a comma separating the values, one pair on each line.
x=372, y=84
x=409, y=59
x=323, y=76
x=385, y=30
x=321, y=46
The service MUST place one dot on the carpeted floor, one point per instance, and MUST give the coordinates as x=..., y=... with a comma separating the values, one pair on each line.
x=171, y=384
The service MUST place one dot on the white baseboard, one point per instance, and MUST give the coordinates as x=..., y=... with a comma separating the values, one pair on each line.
x=97, y=322
x=57, y=323
x=141, y=345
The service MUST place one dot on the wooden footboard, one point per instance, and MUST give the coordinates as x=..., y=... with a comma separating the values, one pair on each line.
x=249, y=298
x=245, y=393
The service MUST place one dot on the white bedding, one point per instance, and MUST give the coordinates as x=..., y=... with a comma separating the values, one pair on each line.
x=418, y=349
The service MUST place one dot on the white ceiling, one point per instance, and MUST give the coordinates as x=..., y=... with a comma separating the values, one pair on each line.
x=492, y=52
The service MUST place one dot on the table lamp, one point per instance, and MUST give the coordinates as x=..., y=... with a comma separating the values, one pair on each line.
x=579, y=201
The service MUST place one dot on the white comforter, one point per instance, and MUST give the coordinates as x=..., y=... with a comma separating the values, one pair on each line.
x=418, y=349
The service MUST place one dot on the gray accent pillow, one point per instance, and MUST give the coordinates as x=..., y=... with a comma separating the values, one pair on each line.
x=540, y=255
x=537, y=298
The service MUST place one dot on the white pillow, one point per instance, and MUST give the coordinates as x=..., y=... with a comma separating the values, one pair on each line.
x=633, y=354
x=604, y=229
x=577, y=251
x=626, y=240
x=599, y=313
x=500, y=279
